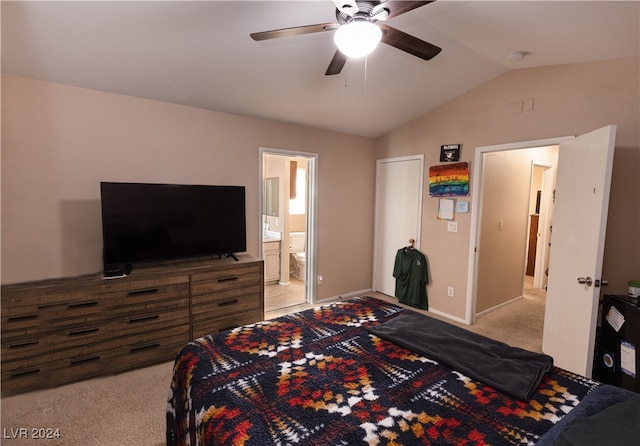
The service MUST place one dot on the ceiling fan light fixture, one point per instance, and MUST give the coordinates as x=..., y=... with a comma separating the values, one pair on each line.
x=357, y=38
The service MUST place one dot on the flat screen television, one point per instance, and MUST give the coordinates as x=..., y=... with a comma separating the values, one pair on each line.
x=150, y=223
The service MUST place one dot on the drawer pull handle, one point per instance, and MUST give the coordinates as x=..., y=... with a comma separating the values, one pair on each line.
x=228, y=302
x=24, y=344
x=231, y=327
x=80, y=361
x=22, y=318
x=141, y=348
x=143, y=292
x=86, y=331
x=82, y=305
x=228, y=279
x=23, y=373
x=144, y=319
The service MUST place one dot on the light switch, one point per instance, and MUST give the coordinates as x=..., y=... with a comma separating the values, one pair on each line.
x=452, y=226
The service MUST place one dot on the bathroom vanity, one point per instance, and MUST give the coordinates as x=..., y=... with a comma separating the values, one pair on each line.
x=271, y=254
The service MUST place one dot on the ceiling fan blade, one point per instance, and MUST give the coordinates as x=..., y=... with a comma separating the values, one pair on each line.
x=336, y=64
x=396, y=8
x=295, y=31
x=405, y=42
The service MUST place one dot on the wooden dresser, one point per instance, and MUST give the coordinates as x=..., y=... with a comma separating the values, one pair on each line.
x=60, y=331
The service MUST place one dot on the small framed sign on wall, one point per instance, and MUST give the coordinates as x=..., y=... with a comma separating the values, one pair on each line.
x=450, y=152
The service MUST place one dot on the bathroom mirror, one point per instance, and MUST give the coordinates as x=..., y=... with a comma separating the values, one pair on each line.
x=270, y=201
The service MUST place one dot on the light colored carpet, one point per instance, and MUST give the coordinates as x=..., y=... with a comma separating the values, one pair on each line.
x=518, y=323
x=129, y=409
x=126, y=409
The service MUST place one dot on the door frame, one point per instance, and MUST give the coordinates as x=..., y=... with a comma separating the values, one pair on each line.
x=476, y=212
x=311, y=208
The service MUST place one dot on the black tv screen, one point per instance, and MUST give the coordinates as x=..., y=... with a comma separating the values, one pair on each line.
x=156, y=222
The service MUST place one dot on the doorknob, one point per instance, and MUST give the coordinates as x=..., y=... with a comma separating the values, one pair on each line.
x=585, y=280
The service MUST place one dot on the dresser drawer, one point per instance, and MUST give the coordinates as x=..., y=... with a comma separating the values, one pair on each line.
x=212, y=326
x=75, y=334
x=114, y=356
x=25, y=298
x=50, y=319
x=145, y=291
x=241, y=276
x=132, y=284
x=72, y=334
x=226, y=302
x=150, y=320
x=28, y=317
x=149, y=348
x=43, y=311
x=25, y=318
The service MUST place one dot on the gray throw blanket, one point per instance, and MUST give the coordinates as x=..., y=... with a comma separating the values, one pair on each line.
x=511, y=370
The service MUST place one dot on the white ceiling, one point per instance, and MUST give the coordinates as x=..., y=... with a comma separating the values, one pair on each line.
x=200, y=53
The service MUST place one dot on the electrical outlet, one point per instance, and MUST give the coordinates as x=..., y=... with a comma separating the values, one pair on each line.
x=450, y=291
x=320, y=279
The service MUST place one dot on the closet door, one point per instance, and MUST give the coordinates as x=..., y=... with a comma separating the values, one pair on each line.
x=398, y=215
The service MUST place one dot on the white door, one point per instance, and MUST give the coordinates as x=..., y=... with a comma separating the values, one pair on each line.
x=577, y=246
x=398, y=214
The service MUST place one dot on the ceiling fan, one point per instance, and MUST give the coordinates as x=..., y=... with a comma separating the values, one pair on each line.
x=353, y=14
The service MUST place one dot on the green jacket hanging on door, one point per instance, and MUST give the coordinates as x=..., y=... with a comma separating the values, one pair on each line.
x=410, y=271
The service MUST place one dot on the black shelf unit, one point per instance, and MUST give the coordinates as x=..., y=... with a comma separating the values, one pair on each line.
x=616, y=359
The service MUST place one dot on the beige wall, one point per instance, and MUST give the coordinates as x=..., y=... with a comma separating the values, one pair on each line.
x=568, y=100
x=59, y=142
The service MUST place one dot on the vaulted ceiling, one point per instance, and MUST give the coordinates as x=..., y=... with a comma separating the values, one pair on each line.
x=200, y=54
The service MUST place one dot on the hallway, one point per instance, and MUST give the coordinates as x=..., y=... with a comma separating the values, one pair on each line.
x=519, y=323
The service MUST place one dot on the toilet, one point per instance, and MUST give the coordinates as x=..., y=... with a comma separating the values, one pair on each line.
x=297, y=254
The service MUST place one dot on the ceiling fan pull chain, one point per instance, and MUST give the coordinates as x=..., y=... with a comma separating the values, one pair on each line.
x=366, y=67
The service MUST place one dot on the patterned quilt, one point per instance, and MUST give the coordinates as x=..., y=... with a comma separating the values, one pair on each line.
x=318, y=377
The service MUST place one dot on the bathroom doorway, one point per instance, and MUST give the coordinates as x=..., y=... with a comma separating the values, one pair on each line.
x=287, y=238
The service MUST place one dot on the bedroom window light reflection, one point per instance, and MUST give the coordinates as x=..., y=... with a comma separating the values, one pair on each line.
x=297, y=205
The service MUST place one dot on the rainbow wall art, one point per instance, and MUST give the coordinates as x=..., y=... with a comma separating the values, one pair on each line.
x=449, y=180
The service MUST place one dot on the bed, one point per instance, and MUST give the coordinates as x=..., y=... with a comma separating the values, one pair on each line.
x=335, y=375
